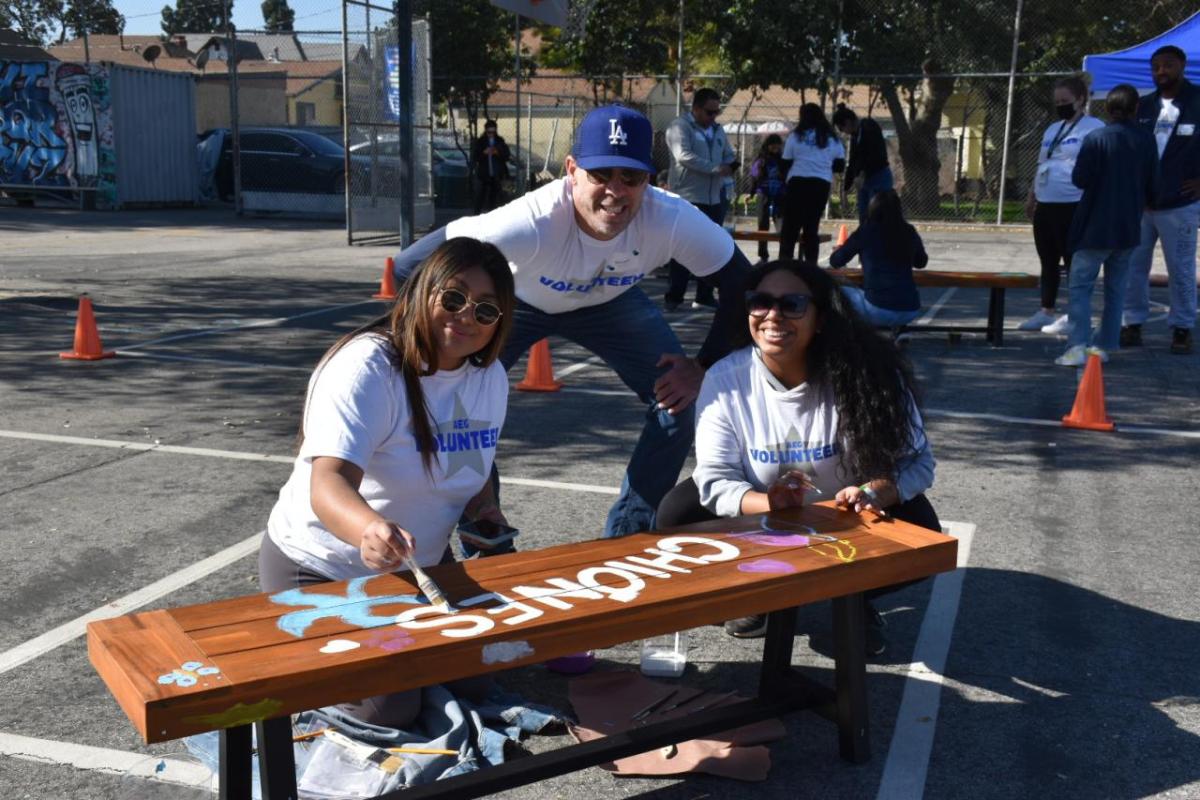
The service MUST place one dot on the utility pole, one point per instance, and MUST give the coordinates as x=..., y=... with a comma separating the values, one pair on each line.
x=234, y=127
x=1012, y=79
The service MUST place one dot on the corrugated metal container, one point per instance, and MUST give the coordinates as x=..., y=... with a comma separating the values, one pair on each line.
x=154, y=136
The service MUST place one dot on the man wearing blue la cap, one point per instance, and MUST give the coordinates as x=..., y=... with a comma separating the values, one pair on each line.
x=578, y=248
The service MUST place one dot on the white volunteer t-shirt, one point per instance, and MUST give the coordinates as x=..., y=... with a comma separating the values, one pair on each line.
x=357, y=409
x=750, y=431
x=810, y=161
x=557, y=267
x=1052, y=183
x=1168, y=115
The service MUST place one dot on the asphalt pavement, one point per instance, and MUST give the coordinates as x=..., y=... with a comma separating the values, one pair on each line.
x=1059, y=661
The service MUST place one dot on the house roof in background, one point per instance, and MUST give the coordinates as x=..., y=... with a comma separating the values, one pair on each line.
x=15, y=47
x=126, y=50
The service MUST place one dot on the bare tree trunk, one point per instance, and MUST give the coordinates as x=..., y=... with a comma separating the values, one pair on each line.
x=917, y=136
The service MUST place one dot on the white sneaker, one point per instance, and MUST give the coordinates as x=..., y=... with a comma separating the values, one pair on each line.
x=1077, y=356
x=1037, y=322
x=1059, y=327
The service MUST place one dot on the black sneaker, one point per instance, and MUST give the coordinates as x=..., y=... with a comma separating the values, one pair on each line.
x=1181, y=341
x=671, y=305
x=752, y=627
x=1131, y=336
x=876, y=641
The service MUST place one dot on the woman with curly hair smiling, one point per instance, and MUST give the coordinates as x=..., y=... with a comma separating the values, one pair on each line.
x=814, y=403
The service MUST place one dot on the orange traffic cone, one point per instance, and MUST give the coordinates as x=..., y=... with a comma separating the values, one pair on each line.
x=87, y=336
x=387, y=286
x=539, y=373
x=842, y=236
x=1088, y=411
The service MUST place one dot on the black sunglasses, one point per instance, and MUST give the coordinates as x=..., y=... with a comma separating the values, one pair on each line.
x=792, y=305
x=632, y=178
x=485, y=313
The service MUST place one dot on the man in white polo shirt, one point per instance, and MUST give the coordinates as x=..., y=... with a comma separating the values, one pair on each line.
x=578, y=248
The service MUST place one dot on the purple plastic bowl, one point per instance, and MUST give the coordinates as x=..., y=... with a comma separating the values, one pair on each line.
x=575, y=664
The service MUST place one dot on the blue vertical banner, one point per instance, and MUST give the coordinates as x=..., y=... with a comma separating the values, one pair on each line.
x=391, y=60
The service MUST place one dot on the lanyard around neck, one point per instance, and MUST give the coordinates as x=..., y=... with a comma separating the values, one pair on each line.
x=1063, y=133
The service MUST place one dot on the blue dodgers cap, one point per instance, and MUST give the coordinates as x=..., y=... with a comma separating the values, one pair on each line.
x=614, y=136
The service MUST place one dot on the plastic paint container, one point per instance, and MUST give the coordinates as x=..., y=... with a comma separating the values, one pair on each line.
x=664, y=656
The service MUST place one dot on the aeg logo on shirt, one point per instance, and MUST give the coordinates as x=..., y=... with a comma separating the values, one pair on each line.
x=615, y=134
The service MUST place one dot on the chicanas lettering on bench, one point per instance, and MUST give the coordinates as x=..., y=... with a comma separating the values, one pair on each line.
x=571, y=286
x=619, y=579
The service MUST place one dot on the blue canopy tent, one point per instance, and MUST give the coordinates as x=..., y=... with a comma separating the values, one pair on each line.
x=1132, y=65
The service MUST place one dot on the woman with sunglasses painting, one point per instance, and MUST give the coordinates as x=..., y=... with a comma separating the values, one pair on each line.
x=815, y=405
x=398, y=436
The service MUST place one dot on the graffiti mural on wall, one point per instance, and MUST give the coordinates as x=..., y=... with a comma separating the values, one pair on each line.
x=56, y=127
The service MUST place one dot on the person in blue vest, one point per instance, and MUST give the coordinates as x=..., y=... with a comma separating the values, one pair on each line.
x=578, y=248
x=1117, y=168
x=1172, y=114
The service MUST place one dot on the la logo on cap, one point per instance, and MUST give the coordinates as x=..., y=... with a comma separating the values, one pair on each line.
x=615, y=134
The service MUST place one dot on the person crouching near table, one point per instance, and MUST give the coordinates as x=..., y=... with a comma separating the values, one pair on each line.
x=376, y=479
x=814, y=405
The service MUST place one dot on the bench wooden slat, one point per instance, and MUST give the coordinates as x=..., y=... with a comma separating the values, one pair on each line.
x=947, y=277
x=769, y=236
x=266, y=672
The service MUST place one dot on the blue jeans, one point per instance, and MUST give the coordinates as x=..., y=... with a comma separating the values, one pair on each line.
x=1085, y=267
x=873, y=313
x=872, y=185
x=630, y=334
x=1177, y=229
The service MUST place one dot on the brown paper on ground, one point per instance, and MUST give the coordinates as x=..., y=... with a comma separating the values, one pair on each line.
x=605, y=701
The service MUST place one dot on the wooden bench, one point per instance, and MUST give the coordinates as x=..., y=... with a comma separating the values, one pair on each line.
x=253, y=661
x=769, y=236
x=995, y=282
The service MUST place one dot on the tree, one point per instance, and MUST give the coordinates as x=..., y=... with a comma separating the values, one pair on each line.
x=33, y=19
x=472, y=43
x=94, y=16
x=619, y=38
x=278, y=15
x=195, y=16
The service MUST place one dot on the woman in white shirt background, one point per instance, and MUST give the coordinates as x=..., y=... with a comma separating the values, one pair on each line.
x=398, y=436
x=813, y=152
x=814, y=405
x=1053, y=198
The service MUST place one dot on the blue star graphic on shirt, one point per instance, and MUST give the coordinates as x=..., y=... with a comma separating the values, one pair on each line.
x=459, y=458
x=353, y=608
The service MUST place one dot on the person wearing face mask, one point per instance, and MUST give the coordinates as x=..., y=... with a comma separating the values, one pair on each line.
x=1053, y=198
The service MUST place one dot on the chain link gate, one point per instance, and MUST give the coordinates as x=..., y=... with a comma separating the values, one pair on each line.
x=373, y=115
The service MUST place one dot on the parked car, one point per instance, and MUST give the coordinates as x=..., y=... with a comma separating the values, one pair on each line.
x=451, y=170
x=291, y=160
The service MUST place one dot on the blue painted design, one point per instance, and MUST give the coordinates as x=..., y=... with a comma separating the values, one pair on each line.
x=207, y=671
x=167, y=680
x=353, y=608
x=185, y=681
x=192, y=666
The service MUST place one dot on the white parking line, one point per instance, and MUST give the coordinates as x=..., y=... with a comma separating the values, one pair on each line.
x=264, y=323
x=937, y=306
x=912, y=740
x=22, y=653
x=107, y=760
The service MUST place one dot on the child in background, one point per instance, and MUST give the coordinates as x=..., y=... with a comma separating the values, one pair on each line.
x=768, y=173
x=889, y=249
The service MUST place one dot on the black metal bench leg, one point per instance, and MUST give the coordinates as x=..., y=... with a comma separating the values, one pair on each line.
x=850, y=676
x=276, y=764
x=995, y=333
x=235, y=772
x=777, y=653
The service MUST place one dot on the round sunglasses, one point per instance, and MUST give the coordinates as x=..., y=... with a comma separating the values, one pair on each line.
x=792, y=305
x=485, y=313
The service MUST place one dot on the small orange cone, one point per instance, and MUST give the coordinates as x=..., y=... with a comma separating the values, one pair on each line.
x=1088, y=411
x=539, y=373
x=87, y=336
x=387, y=286
x=842, y=236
